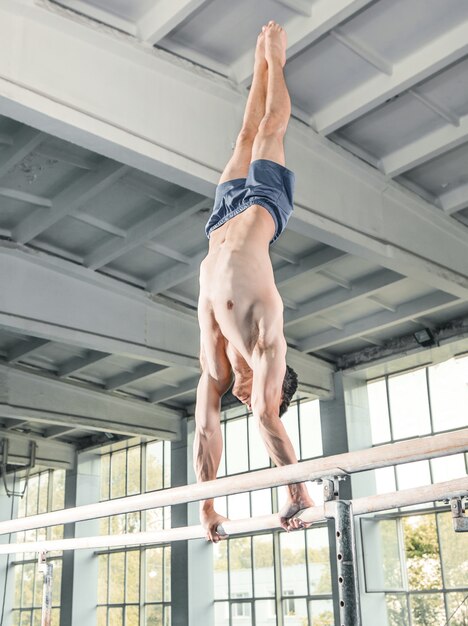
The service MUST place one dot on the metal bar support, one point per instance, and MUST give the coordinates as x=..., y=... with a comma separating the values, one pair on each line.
x=341, y=512
x=47, y=570
x=459, y=516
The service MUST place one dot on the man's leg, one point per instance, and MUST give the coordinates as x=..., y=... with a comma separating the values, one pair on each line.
x=238, y=165
x=268, y=143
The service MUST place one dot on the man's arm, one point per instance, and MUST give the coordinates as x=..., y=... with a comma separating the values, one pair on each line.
x=208, y=443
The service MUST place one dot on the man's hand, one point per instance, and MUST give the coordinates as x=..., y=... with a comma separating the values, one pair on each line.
x=210, y=521
x=289, y=519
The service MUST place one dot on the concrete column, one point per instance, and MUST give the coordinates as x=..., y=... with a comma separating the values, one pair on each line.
x=8, y=510
x=373, y=607
x=80, y=567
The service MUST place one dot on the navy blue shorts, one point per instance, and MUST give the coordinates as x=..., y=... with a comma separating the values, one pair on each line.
x=268, y=184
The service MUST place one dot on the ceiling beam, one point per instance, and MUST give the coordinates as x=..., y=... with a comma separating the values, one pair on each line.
x=454, y=199
x=100, y=15
x=177, y=274
x=303, y=31
x=303, y=7
x=165, y=394
x=117, y=318
x=54, y=454
x=339, y=200
x=378, y=321
x=23, y=143
x=59, y=431
x=424, y=149
x=44, y=399
x=25, y=348
x=362, y=51
x=84, y=189
x=359, y=289
x=313, y=262
x=419, y=65
x=27, y=198
x=78, y=364
x=146, y=229
x=163, y=17
x=145, y=370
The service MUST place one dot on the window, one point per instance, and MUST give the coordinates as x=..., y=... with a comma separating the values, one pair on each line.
x=45, y=492
x=249, y=568
x=134, y=584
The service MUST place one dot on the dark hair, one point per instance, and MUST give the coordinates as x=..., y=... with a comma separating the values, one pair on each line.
x=289, y=389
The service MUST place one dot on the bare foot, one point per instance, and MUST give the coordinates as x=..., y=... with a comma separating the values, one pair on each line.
x=260, y=60
x=288, y=518
x=275, y=43
x=210, y=520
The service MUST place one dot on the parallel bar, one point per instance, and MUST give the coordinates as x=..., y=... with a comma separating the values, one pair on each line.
x=359, y=461
x=371, y=504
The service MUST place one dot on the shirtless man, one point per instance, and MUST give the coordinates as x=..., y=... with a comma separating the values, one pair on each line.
x=240, y=310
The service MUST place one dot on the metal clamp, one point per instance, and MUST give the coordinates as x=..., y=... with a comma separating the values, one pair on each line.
x=331, y=486
x=28, y=468
x=459, y=515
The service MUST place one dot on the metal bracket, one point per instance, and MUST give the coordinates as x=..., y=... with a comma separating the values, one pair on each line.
x=331, y=486
x=459, y=515
x=28, y=468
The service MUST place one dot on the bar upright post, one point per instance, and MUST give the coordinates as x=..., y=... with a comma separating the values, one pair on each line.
x=341, y=512
x=47, y=572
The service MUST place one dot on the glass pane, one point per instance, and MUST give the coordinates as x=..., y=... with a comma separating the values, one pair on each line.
x=58, y=490
x=318, y=558
x=102, y=578
x=264, y=574
x=295, y=607
x=397, y=610
x=222, y=462
x=293, y=563
x=132, y=616
x=258, y=455
x=18, y=579
x=448, y=467
x=220, y=569
x=427, y=609
x=118, y=474
x=454, y=552
x=154, y=519
x=154, y=615
x=25, y=619
x=265, y=613
x=132, y=522
x=132, y=583
x=311, y=429
x=409, y=404
x=240, y=566
x=378, y=410
x=261, y=502
x=154, y=466
x=167, y=464
x=382, y=563
x=422, y=552
x=154, y=575
x=291, y=422
x=239, y=506
x=37, y=617
x=15, y=618
x=115, y=617
x=133, y=470
x=457, y=605
x=29, y=575
x=385, y=480
x=414, y=474
x=55, y=617
x=167, y=574
x=105, y=469
x=117, y=524
x=116, y=577
x=101, y=616
x=448, y=383
x=236, y=446
x=57, y=582
x=167, y=616
x=241, y=613
x=321, y=612
x=43, y=492
x=32, y=494
x=222, y=613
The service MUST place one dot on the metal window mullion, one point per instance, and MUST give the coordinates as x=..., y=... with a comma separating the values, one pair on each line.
x=428, y=387
x=298, y=417
x=278, y=599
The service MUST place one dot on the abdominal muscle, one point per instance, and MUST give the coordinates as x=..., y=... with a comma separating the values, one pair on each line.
x=237, y=284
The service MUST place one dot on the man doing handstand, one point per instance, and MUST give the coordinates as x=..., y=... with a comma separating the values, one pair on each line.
x=240, y=309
